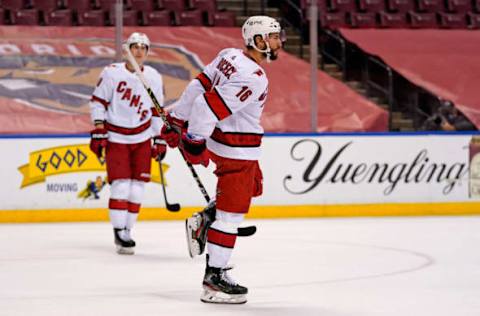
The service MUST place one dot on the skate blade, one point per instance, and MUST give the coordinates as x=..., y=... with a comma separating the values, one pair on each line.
x=125, y=250
x=193, y=245
x=216, y=297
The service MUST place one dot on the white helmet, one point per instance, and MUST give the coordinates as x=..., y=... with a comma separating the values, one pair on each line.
x=259, y=25
x=138, y=38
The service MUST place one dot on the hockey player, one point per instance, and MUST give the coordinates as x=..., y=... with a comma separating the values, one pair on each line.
x=223, y=106
x=125, y=123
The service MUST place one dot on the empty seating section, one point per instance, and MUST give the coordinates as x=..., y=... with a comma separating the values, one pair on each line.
x=102, y=13
x=396, y=13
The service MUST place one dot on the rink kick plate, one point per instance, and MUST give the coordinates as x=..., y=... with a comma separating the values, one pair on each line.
x=284, y=211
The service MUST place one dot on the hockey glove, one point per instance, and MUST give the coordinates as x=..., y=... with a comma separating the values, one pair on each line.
x=172, y=135
x=159, y=148
x=194, y=150
x=98, y=141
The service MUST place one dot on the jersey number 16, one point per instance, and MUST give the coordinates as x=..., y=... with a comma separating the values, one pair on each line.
x=244, y=93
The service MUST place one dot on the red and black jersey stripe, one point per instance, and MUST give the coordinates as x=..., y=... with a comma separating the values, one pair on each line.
x=217, y=104
x=236, y=139
x=127, y=131
x=205, y=81
x=222, y=239
x=101, y=101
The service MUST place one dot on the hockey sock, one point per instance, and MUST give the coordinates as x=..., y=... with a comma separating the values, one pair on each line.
x=221, y=238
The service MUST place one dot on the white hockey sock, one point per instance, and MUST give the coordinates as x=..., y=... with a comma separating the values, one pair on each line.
x=118, y=218
x=118, y=204
x=131, y=220
x=221, y=238
x=134, y=202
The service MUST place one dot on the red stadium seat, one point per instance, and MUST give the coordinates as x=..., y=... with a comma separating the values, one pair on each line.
x=476, y=5
x=158, y=18
x=191, y=17
x=430, y=5
x=371, y=5
x=25, y=17
x=108, y=5
x=144, y=6
x=78, y=6
x=224, y=18
x=452, y=20
x=130, y=17
x=392, y=20
x=342, y=5
x=460, y=6
x=333, y=20
x=422, y=20
x=176, y=7
x=46, y=5
x=362, y=20
x=207, y=7
x=473, y=20
x=400, y=5
x=2, y=16
x=59, y=17
x=204, y=5
x=12, y=5
x=92, y=18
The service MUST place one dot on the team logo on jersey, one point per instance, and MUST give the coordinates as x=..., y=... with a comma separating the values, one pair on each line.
x=60, y=75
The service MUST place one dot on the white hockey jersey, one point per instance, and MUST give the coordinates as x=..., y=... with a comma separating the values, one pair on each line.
x=224, y=104
x=121, y=101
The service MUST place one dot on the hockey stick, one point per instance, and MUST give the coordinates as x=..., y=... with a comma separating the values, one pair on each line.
x=174, y=207
x=163, y=116
x=242, y=231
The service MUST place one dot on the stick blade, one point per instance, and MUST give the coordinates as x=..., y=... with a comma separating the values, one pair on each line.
x=246, y=231
x=175, y=207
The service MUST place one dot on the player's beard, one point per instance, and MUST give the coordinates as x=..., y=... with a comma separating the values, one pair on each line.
x=273, y=55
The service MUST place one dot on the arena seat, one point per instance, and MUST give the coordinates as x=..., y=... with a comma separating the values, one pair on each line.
x=400, y=5
x=25, y=17
x=130, y=17
x=3, y=13
x=92, y=18
x=333, y=20
x=460, y=6
x=12, y=5
x=78, y=7
x=191, y=18
x=473, y=20
x=422, y=20
x=371, y=5
x=144, y=6
x=429, y=5
x=452, y=20
x=176, y=7
x=46, y=5
x=362, y=19
x=224, y=18
x=208, y=9
x=62, y=17
x=342, y=5
x=158, y=18
x=392, y=20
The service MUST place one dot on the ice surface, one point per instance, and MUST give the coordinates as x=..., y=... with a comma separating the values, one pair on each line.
x=428, y=266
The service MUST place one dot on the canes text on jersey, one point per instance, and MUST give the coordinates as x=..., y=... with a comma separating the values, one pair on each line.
x=133, y=98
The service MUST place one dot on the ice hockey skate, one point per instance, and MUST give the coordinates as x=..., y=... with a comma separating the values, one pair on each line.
x=219, y=288
x=125, y=244
x=196, y=228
